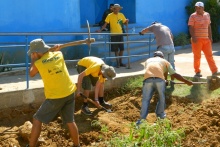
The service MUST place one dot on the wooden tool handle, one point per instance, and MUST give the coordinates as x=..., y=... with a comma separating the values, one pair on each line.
x=91, y=101
x=87, y=41
x=194, y=83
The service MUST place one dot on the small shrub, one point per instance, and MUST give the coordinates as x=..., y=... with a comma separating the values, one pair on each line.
x=181, y=39
x=159, y=134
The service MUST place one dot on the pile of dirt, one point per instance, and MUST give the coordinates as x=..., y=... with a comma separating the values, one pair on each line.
x=200, y=120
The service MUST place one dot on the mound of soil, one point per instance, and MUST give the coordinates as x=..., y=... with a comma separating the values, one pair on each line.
x=200, y=120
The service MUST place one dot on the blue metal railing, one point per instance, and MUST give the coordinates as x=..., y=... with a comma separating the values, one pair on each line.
x=106, y=43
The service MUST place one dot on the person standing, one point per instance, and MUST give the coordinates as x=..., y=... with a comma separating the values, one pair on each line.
x=116, y=21
x=164, y=40
x=58, y=88
x=93, y=71
x=154, y=80
x=201, y=38
x=105, y=14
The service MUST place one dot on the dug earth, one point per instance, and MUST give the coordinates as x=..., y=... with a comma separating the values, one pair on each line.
x=201, y=121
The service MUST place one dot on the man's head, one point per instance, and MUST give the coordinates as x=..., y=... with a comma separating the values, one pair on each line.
x=37, y=46
x=108, y=72
x=111, y=7
x=116, y=8
x=158, y=54
x=199, y=7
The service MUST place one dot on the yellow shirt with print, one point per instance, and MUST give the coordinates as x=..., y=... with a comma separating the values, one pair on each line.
x=114, y=20
x=93, y=66
x=55, y=76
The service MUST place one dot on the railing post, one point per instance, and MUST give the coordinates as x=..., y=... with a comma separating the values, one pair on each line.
x=149, y=45
x=27, y=69
x=128, y=49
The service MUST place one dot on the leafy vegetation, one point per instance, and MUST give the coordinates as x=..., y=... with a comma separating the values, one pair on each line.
x=181, y=39
x=159, y=134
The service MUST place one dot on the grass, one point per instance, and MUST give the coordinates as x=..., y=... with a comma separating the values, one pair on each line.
x=199, y=92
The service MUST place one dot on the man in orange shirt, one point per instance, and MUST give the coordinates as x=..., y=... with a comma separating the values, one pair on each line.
x=201, y=38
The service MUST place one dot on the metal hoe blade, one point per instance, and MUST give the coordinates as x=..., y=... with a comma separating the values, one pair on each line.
x=98, y=106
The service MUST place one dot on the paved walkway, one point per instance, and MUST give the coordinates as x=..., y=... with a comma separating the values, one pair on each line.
x=183, y=63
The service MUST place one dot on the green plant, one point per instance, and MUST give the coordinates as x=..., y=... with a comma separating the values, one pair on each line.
x=159, y=134
x=212, y=7
x=181, y=39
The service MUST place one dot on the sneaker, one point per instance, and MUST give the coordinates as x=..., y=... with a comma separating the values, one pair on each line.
x=198, y=74
x=106, y=105
x=216, y=73
x=85, y=110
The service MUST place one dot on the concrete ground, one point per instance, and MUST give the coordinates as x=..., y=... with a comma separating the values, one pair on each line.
x=15, y=81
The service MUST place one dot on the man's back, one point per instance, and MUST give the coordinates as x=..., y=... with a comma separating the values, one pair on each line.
x=162, y=33
x=156, y=67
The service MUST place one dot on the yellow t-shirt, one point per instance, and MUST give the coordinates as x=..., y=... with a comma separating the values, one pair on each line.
x=93, y=66
x=156, y=67
x=114, y=20
x=55, y=76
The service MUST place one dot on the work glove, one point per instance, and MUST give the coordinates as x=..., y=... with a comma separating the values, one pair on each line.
x=140, y=33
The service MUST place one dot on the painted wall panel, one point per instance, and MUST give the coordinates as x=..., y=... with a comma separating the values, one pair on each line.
x=39, y=16
x=170, y=12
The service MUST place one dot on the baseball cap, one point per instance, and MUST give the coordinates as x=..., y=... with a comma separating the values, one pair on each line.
x=37, y=45
x=158, y=53
x=108, y=71
x=199, y=4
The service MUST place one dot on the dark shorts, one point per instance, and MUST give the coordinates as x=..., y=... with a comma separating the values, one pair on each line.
x=115, y=47
x=87, y=80
x=52, y=107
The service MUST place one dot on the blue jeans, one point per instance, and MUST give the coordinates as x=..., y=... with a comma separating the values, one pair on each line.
x=149, y=86
x=168, y=52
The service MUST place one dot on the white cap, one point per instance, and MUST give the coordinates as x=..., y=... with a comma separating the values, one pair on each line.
x=199, y=4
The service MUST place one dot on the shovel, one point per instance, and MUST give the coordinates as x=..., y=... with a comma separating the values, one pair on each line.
x=94, y=103
x=213, y=83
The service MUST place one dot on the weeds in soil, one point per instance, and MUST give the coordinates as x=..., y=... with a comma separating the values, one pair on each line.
x=160, y=134
x=97, y=124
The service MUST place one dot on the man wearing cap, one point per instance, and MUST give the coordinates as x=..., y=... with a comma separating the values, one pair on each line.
x=201, y=38
x=58, y=88
x=116, y=21
x=164, y=40
x=93, y=71
x=154, y=80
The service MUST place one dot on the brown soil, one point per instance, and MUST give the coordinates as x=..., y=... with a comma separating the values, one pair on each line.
x=201, y=120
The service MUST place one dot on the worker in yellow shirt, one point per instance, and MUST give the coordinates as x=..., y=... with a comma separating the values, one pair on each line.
x=93, y=71
x=58, y=88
